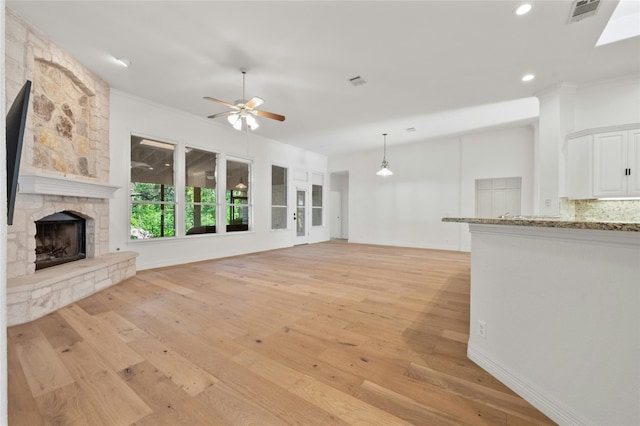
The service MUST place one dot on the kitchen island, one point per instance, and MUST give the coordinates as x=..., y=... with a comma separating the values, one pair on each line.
x=555, y=314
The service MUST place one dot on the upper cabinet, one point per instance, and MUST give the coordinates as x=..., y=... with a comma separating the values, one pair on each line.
x=604, y=164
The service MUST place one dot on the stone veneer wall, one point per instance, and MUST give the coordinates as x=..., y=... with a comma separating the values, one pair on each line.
x=67, y=136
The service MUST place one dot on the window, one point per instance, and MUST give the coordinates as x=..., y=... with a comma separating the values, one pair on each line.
x=316, y=205
x=237, y=196
x=201, y=177
x=278, y=197
x=152, y=189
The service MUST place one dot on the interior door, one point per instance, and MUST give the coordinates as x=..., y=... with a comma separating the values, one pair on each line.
x=300, y=217
x=335, y=211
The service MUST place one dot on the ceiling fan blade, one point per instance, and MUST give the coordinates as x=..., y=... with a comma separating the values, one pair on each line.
x=221, y=102
x=222, y=114
x=268, y=115
x=254, y=102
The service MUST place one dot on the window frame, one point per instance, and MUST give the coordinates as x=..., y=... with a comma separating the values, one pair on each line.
x=228, y=201
x=286, y=199
x=173, y=203
x=317, y=180
x=187, y=203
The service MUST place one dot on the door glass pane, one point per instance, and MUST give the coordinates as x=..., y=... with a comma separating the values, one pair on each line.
x=300, y=213
x=316, y=203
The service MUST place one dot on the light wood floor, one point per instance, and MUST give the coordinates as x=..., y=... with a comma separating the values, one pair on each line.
x=330, y=333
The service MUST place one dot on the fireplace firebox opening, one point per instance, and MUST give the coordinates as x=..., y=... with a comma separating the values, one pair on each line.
x=60, y=238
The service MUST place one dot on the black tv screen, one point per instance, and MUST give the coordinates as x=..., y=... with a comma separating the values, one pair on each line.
x=16, y=122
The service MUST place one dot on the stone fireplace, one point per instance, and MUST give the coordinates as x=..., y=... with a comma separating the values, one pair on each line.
x=58, y=245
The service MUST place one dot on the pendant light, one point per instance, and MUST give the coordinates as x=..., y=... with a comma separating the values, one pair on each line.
x=241, y=185
x=384, y=170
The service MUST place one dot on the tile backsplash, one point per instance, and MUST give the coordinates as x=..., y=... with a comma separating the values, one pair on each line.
x=600, y=210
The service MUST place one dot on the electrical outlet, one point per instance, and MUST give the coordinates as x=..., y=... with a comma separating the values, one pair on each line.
x=482, y=328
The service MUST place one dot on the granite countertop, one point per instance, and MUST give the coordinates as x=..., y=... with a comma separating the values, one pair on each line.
x=547, y=222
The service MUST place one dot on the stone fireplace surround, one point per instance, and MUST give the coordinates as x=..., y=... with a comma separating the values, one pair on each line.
x=65, y=167
x=32, y=294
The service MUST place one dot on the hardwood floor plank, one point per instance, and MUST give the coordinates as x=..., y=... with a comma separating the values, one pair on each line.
x=324, y=334
x=348, y=408
x=22, y=407
x=506, y=399
x=402, y=406
x=235, y=408
x=156, y=278
x=170, y=404
x=124, y=329
x=82, y=360
x=57, y=330
x=41, y=366
x=68, y=405
x=113, y=350
x=116, y=402
x=189, y=377
x=92, y=306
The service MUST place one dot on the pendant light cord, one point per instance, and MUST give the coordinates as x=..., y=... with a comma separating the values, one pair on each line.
x=384, y=151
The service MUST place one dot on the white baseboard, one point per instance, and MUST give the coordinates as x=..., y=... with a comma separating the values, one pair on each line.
x=544, y=402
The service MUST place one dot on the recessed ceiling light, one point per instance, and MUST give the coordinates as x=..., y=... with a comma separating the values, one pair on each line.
x=523, y=9
x=124, y=62
x=410, y=129
x=528, y=77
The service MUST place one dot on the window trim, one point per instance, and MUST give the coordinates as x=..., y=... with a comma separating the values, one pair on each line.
x=184, y=192
x=175, y=203
x=249, y=204
x=286, y=199
x=317, y=179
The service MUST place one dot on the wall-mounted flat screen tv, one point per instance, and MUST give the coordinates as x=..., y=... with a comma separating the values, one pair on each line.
x=16, y=123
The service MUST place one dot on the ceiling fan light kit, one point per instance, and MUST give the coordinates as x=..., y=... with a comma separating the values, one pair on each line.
x=241, y=115
x=384, y=169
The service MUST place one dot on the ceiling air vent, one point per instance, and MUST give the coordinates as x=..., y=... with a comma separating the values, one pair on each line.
x=583, y=9
x=357, y=81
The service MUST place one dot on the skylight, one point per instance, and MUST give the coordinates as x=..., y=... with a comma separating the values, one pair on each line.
x=624, y=23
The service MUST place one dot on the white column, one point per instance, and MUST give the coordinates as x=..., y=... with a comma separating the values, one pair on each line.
x=557, y=106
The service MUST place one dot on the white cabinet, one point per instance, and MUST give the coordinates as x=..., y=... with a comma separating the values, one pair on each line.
x=495, y=197
x=604, y=164
x=633, y=142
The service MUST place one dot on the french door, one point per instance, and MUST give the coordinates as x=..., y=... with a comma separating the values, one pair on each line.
x=300, y=217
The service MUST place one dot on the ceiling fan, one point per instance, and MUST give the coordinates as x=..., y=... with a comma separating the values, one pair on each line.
x=243, y=111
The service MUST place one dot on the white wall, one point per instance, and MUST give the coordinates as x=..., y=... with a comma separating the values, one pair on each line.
x=507, y=153
x=134, y=115
x=432, y=179
x=608, y=103
x=562, y=315
x=339, y=182
x=3, y=239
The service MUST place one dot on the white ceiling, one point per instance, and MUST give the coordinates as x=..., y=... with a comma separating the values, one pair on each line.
x=443, y=67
